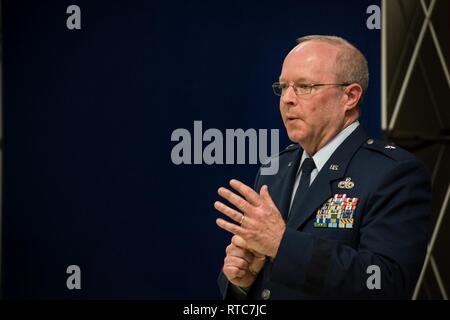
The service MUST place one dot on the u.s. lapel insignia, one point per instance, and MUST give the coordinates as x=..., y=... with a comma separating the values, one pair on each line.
x=347, y=184
x=334, y=167
x=337, y=213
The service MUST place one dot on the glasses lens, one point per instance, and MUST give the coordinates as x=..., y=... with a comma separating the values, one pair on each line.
x=277, y=89
x=303, y=89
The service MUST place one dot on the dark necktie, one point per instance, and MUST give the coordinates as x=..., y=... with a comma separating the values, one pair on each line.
x=307, y=167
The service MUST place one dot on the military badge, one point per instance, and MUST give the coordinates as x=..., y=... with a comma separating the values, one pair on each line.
x=334, y=167
x=347, y=184
x=337, y=212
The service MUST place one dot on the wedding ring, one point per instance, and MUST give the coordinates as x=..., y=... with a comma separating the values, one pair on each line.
x=242, y=219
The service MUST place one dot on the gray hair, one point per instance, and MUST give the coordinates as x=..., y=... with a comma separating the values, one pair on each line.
x=351, y=65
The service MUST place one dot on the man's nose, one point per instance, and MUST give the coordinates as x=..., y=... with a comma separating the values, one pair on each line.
x=289, y=97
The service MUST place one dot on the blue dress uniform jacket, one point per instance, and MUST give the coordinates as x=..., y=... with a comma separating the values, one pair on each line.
x=385, y=222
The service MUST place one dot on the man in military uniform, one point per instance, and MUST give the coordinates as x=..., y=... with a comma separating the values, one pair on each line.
x=342, y=205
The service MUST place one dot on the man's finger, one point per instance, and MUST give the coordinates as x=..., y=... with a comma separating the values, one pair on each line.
x=242, y=253
x=233, y=272
x=238, y=252
x=251, y=195
x=257, y=255
x=239, y=242
x=230, y=227
x=264, y=192
x=229, y=212
x=238, y=201
x=238, y=262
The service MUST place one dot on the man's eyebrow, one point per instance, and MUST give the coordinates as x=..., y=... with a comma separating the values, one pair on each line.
x=303, y=80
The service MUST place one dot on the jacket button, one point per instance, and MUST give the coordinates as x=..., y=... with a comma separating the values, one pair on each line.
x=265, y=294
x=370, y=141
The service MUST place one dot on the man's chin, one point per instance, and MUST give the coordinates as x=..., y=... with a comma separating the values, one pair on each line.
x=295, y=137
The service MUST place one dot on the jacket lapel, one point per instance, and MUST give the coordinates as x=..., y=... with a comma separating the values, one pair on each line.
x=281, y=189
x=320, y=189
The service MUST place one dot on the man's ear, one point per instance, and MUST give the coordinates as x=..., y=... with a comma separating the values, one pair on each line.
x=353, y=92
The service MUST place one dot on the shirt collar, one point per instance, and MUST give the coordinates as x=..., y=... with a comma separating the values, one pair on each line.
x=322, y=156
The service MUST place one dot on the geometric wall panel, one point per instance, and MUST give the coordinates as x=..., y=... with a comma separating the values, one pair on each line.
x=416, y=114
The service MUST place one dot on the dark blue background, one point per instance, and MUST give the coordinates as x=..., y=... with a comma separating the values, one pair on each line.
x=88, y=116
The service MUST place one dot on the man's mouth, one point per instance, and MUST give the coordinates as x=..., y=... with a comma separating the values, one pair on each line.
x=292, y=119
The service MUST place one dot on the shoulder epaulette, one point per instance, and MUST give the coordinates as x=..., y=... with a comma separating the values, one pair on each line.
x=389, y=149
x=289, y=148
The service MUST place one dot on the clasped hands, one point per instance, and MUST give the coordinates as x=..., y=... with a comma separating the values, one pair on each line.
x=257, y=234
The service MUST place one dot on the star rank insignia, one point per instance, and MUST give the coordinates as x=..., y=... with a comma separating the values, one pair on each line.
x=337, y=213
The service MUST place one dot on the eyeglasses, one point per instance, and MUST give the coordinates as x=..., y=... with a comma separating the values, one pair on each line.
x=280, y=88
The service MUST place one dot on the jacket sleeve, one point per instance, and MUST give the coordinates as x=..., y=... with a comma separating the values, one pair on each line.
x=393, y=235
